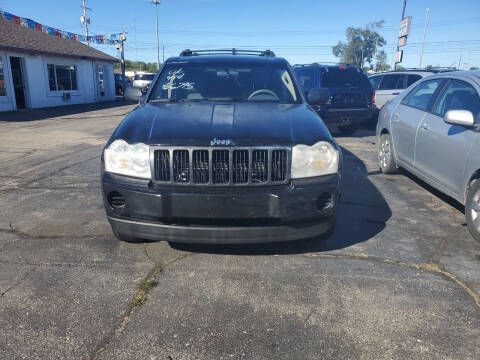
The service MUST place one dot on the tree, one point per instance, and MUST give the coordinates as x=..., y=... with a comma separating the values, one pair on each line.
x=381, y=61
x=474, y=68
x=361, y=45
x=138, y=66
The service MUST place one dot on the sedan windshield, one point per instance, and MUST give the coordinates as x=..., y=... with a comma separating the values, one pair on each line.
x=225, y=82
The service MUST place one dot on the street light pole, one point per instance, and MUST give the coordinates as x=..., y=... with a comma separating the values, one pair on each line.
x=423, y=41
x=156, y=3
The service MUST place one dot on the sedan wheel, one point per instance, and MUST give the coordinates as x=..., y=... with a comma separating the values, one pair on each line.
x=472, y=209
x=385, y=155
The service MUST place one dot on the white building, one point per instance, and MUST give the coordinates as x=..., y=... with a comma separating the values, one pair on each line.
x=41, y=70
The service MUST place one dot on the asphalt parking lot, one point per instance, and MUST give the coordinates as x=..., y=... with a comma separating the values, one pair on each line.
x=399, y=278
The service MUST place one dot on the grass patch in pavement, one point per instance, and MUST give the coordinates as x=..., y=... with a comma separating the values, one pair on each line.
x=144, y=288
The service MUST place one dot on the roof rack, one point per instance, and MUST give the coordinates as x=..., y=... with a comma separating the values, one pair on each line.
x=188, y=52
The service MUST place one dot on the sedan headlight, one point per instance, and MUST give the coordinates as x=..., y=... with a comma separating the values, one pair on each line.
x=130, y=160
x=319, y=159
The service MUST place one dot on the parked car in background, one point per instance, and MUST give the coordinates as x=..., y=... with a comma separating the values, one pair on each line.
x=121, y=84
x=223, y=149
x=433, y=130
x=389, y=84
x=142, y=79
x=351, y=97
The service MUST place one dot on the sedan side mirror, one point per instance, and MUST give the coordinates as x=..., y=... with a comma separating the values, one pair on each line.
x=144, y=90
x=321, y=95
x=459, y=117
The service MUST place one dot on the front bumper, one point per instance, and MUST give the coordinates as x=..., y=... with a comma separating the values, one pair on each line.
x=195, y=214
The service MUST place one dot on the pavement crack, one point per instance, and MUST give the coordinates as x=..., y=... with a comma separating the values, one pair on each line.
x=433, y=268
x=145, y=251
x=17, y=283
x=23, y=235
x=138, y=300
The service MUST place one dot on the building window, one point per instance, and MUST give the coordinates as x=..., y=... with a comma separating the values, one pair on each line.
x=62, y=77
x=3, y=91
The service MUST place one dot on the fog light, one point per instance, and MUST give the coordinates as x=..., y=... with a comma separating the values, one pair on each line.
x=325, y=202
x=116, y=200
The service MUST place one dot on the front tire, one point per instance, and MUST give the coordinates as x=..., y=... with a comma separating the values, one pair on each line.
x=472, y=209
x=385, y=155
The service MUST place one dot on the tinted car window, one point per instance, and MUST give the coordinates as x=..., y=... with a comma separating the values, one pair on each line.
x=458, y=95
x=391, y=82
x=421, y=96
x=412, y=78
x=343, y=76
x=375, y=81
x=306, y=78
x=226, y=81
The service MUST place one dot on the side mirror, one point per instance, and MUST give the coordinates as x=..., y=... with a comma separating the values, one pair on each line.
x=316, y=96
x=144, y=90
x=459, y=117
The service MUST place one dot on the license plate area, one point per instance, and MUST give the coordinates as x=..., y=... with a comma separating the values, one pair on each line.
x=345, y=121
x=215, y=206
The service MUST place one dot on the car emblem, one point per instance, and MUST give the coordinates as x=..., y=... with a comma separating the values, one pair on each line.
x=217, y=142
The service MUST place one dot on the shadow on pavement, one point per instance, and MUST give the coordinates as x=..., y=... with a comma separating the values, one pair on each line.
x=445, y=198
x=362, y=214
x=46, y=113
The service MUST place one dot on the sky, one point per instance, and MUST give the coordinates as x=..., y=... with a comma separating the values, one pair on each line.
x=301, y=31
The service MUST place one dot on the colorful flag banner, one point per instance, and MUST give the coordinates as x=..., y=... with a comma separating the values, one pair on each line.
x=109, y=39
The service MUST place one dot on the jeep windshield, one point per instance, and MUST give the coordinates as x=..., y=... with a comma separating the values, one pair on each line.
x=249, y=82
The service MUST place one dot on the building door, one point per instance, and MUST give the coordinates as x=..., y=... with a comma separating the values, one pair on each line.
x=100, y=82
x=18, y=83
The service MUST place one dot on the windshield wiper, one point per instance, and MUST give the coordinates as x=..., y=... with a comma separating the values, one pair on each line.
x=170, y=100
x=226, y=99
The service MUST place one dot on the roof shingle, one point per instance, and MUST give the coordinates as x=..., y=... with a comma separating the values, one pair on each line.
x=14, y=37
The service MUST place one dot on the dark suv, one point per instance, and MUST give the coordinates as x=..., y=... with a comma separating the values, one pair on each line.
x=223, y=149
x=350, y=99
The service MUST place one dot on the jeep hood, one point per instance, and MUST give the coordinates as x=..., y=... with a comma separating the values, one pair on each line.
x=241, y=123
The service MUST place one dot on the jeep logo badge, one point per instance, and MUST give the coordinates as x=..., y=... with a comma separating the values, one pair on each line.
x=217, y=142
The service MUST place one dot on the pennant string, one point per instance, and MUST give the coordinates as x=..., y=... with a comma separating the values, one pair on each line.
x=109, y=39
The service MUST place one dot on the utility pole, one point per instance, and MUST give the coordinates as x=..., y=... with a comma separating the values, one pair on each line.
x=423, y=41
x=85, y=19
x=403, y=17
x=163, y=53
x=156, y=3
x=121, y=48
x=460, y=60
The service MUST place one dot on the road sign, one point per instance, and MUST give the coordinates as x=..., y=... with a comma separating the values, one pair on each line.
x=399, y=56
x=405, y=25
x=402, y=41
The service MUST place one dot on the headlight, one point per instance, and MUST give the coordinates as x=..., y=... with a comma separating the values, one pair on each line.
x=130, y=160
x=319, y=159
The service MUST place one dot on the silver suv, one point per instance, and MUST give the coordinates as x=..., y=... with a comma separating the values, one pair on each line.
x=432, y=129
x=389, y=84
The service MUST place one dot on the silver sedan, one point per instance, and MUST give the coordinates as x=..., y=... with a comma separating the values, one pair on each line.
x=432, y=129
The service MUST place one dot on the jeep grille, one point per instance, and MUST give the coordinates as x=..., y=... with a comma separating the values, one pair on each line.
x=221, y=166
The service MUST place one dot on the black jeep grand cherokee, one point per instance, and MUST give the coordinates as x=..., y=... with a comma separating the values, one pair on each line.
x=223, y=149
